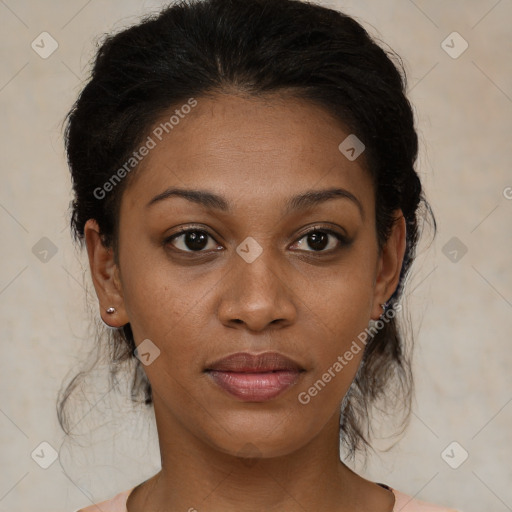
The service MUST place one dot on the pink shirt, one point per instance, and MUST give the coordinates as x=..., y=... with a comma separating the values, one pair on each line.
x=403, y=503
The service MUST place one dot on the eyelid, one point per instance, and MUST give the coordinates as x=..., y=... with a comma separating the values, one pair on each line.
x=326, y=229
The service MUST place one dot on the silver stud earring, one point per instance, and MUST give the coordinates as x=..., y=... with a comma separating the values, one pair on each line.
x=111, y=310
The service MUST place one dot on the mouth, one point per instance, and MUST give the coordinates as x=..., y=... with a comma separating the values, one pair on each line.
x=255, y=378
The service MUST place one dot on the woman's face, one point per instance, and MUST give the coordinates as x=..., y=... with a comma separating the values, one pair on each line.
x=249, y=278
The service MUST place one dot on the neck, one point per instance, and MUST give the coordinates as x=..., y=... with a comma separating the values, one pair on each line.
x=196, y=475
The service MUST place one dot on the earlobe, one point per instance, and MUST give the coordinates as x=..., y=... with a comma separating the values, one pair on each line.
x=390, y=264
x=105, y=277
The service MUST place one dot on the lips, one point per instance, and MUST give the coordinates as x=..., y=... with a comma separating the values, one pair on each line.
x=249, y=363
x=255, y=378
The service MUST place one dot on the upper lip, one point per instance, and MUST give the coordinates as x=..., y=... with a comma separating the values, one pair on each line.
x=246, y=362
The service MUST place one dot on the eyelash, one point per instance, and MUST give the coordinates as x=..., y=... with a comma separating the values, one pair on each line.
x=343, y=240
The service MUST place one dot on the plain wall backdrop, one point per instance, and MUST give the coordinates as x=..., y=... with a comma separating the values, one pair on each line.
x=459, y=294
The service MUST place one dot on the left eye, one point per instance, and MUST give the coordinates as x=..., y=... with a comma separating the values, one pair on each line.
x=319, y=240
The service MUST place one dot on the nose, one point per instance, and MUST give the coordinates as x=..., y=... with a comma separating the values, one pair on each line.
x=257, y=295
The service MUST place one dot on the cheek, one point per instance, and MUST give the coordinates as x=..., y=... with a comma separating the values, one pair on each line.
x=167, y=307
x=337, y=349
x=154, y=292
x=340, y=308
x=341, y=297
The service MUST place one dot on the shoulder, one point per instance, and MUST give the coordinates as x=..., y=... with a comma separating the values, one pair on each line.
x=405, y=503
x=115, y=504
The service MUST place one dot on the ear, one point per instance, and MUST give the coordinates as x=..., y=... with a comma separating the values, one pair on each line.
x=389, y=265
x=105, y=276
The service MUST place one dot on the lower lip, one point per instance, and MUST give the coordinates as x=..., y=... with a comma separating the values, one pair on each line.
x=255, y=387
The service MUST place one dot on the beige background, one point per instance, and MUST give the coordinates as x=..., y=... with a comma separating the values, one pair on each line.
x=462, y=310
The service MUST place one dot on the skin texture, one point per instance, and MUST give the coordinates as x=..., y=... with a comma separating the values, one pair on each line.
x=307, y=301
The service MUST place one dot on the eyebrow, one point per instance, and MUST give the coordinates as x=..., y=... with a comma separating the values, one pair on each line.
x=301, y=201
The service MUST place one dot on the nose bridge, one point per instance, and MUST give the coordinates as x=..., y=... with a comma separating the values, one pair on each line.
x=256, y=294
x=257, y=267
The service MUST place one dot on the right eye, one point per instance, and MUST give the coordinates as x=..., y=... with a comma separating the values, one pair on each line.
x=190, y=240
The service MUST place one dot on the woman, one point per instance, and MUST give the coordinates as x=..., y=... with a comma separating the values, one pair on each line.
x=244, y=184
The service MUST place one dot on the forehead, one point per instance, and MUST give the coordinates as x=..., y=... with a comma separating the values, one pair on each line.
x=261, y=149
